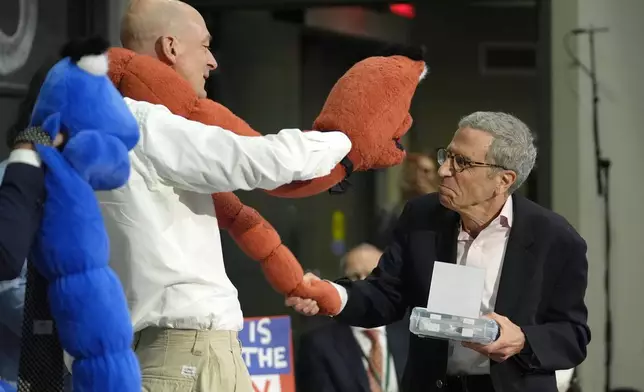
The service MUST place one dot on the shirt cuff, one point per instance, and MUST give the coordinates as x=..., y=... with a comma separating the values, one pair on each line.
x=344, y=296
x=324, y=151
x=23, y=155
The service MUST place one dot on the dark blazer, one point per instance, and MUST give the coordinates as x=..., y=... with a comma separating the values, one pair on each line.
x=542, y=287
x=329, y=358
x=21, y=196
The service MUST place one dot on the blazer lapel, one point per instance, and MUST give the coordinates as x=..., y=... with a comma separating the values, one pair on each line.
x=442, y=236
x=518, y=262
x=349, y=350
x=446, y=245
x=397, y=347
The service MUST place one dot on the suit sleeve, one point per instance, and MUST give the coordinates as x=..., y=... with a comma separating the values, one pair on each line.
x=380, y=299
x=560, y=343
x=21, y=195
x=311, y=373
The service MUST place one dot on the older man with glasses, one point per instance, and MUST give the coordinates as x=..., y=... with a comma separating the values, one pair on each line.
x=535, y=262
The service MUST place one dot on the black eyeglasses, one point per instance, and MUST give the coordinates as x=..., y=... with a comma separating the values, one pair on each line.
x=459, y=162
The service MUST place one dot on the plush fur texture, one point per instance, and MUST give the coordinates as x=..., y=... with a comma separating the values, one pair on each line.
x=370, y=104
x=6, y=387
x=72, y=249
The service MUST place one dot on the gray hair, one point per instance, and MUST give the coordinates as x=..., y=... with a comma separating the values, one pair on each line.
x=513, y=145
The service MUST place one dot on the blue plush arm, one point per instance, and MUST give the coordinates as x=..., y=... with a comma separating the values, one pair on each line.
x=72, y=253
x=101, y=160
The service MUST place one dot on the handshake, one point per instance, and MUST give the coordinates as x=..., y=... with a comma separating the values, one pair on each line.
x=325, y=301
x=509, y=339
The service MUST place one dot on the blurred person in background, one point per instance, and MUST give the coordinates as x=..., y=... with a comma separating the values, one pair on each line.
x=339, y=358
x=419, y=177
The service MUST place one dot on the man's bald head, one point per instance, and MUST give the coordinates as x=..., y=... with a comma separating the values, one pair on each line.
x=145, y=21
x=358, y=263
x=175, y=33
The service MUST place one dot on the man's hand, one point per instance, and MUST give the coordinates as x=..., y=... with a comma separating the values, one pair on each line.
x=307, y=307
x=59, y=140
x=510, y=342
x=24, y=146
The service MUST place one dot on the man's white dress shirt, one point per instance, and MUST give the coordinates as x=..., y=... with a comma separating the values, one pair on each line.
x=165, y=242
x=485, y=251
x=389, y=379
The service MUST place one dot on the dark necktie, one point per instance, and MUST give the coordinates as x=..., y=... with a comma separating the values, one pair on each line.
x=41, y=366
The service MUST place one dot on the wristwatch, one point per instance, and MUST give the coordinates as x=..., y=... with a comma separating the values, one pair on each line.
x=33, y=135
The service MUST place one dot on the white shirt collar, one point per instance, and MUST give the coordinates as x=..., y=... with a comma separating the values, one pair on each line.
x=504, y=219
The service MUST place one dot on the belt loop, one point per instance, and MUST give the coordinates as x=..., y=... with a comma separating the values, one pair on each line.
x=239, y=342
x=200, y=344
x=135, y=340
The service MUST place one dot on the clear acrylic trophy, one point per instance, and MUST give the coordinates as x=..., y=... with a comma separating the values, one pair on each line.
x=426, y=324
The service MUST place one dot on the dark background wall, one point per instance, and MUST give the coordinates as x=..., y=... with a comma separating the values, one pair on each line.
x=50, y=25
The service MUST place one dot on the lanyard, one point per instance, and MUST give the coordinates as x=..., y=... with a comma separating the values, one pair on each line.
x=375, y=374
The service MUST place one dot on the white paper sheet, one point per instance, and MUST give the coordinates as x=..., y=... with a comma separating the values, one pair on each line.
x=456, y=290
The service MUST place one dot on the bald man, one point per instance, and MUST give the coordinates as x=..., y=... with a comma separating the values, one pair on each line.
x=339, y=358
x=164, y=237
x=358, y=263
x=173, y=32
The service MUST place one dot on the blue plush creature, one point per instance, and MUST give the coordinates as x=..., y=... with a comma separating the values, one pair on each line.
x=72, y=250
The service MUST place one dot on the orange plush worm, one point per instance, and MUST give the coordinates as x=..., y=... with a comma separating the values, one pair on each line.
x=370, y=104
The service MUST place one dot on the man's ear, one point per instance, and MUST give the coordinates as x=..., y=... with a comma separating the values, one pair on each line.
x=166, y=48
x=508, y=177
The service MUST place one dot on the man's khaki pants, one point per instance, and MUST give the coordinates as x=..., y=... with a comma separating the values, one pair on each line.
x=175, y=360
